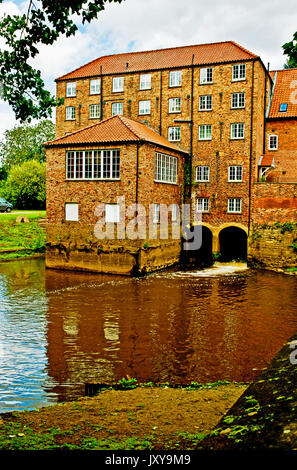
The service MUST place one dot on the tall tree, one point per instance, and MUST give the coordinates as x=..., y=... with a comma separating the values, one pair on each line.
x=290, y=49
x=46, y=20
x=25, y=142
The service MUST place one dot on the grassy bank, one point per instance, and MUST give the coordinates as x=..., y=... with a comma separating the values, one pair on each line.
x=20, y=240
x=146, y=417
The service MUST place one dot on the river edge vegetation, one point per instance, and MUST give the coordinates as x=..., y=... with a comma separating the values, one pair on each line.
x=21, y=239
x=128, y=416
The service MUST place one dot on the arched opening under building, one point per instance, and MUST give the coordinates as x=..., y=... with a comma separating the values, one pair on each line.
x=233, y=244
x=198, y=249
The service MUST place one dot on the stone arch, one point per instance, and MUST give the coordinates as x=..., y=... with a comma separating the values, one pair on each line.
x=233, y=240
x=204, y=242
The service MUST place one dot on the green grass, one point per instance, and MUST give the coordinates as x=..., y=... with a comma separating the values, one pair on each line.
x=25, y=238
x=15, y=213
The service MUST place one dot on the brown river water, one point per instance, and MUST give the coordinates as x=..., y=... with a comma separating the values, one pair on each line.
x=60, y=330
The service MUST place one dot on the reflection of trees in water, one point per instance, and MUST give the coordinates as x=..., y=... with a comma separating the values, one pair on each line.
x=23, y=274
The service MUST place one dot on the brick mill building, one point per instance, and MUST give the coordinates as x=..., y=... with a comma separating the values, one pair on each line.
x=229, y=122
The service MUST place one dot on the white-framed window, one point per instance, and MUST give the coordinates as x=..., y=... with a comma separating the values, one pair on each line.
x=234, y=204
x=174, y=134
x=165, y=168
x=237, y=130
x=273, y=142
x=203, y=204
x=206, y=75
x=95, y=86
x=93, y=164
x=70, y=89
x=144, y=107
x=94, y=111
x=235, y=173
x=156, y=213
x=237, y=100
x=112, y=213
x=175, y=78
x=70, y=113
x=202, y=173
x=238, y=72
x=205, y=103
x=205, y=132
x=145, y=81
x=71, y=211
x=117, y=84
x=174, y=105
x=116, y=108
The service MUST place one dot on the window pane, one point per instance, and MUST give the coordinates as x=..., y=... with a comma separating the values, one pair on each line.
x=95, y=86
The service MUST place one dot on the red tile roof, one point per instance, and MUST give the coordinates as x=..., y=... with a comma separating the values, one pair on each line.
x=228, y=51
x=285, y=91
x=116, y=129
x=266, y=160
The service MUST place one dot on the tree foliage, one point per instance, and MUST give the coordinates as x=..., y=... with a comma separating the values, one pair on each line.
x=290, y=49
x=25, y=185
x=25, y=142
x=22, y=85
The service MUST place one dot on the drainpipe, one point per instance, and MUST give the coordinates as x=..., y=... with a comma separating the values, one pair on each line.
x=101, y=93
x=160, y=102
x=191, y=134
x=251, y=148
x=137, y=177
x=265, y=104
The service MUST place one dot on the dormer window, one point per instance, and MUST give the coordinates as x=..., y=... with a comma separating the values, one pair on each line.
x=283, y=107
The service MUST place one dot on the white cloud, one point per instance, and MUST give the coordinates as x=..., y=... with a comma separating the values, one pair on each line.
x=260, y=26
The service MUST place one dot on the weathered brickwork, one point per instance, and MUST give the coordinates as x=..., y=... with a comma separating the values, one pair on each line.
x=74, y=244
x=285, y=157
x=267, y=199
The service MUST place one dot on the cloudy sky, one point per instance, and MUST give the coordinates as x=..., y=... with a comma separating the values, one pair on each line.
x=262, y=26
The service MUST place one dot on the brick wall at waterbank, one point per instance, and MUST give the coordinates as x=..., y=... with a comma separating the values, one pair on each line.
x=73, y=244
x=273, y=234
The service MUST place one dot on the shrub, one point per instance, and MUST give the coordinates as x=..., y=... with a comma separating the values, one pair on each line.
x=25, y=185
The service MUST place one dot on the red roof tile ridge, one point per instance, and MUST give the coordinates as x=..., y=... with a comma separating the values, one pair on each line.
x=68, y=134
x=244, y=49
x=122, y=54
x=129, y=123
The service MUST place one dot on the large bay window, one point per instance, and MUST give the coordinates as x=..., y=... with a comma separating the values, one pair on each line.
x=93, y=164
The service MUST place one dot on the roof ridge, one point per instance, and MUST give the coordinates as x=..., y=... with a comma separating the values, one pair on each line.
x=243, y=48
x=122, y=54
x=79, y=130
x=130, y=126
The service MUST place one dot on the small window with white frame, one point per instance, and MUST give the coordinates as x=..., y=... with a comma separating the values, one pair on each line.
x=117, y=84
x=237, y=100
x=205, y=103
x=238, y=72
x=273, y=142
x=205, y=132
x=234, y=205
x=71, y=211
x=116, y=108
x=112, y=213
x=95, y=85
x=203, y=204
x=174, y=134
x=145, y=81
x=206, y=75
x=237, y=130
x=156, y=213
x=202, y=173
x=175, y=78
x=94, y=111
x=70, y=89
x=235, y=173
x=70, y=113
x=144, y=107
x=165, y=168
x=174, y=105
